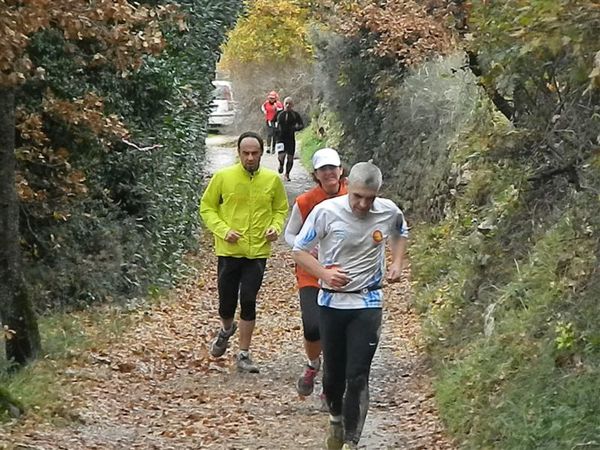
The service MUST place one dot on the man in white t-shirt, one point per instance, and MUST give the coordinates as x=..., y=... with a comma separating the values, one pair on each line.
x=351, y=232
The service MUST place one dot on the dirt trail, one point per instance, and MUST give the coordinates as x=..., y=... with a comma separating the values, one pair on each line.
x=157, y=388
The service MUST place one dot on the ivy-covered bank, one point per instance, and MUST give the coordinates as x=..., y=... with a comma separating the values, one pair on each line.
x=104, y=111
x=105, y=218
x=493, y=153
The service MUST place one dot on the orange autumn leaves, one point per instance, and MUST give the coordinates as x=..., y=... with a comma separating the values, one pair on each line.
x=124, y=31
x=405, y=30
x=87, y=112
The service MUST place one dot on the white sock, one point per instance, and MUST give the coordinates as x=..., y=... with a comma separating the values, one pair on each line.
x=315, y=363
x=336, y=419
x=245, y=353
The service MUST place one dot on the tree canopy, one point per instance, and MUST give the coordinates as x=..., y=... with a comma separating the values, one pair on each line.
x=269, y=32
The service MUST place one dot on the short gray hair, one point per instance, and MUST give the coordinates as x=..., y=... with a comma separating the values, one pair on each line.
x=366, y=174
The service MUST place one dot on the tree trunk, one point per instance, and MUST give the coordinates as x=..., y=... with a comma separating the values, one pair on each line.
x=500, y=102
x=16, y=313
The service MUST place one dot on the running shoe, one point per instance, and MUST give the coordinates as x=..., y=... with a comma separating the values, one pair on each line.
x=306, y=383
x=245, y=364
x=335, y=437
x=219, y=345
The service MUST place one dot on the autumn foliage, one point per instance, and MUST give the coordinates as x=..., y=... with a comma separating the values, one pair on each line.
x=121, y=34
x=124, y=31
x=269, y=49
x=104, y=92
x=406, y=30
x=269, y=33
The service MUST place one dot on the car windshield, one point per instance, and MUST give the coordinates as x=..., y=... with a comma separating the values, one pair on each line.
x=222, y=93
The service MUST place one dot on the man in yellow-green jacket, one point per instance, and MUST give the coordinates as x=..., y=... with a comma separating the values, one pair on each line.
x=244, y=206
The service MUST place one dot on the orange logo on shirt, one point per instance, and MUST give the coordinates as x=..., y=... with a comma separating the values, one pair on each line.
x=377, y=236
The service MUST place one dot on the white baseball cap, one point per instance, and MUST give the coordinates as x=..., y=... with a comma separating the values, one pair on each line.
x=326, y=157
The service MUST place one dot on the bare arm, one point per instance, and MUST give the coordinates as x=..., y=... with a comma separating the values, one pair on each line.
x=398, y=256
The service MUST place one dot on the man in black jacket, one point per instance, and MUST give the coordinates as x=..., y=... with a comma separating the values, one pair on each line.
x=288, y=123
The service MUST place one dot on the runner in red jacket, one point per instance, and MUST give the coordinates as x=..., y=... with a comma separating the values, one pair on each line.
x=270, y=108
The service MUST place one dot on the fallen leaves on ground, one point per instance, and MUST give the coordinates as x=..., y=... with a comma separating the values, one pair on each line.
x=158, y=387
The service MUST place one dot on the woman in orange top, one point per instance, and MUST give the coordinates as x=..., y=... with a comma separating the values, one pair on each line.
x=328, y=173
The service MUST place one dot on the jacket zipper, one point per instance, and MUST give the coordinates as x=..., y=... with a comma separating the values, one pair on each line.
x=252, y=205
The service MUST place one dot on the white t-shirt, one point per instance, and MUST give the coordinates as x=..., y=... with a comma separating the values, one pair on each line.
x=294, y=226
x=355, y=244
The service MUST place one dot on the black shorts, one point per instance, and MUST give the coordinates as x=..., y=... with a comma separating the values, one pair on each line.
x=289, y=145
x=239, y=278
x=310, y=313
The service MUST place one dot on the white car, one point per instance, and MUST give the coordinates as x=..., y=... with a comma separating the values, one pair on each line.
x=222, y=107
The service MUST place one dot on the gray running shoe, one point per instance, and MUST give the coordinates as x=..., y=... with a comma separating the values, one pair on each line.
x=245, y=364
x=219, y=345
x=306, y=382
x=335, y=437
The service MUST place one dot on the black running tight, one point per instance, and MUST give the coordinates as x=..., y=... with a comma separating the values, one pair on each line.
x=239, y=277
x=349, y=338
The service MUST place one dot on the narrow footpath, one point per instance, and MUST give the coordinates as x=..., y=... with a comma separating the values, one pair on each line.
x=158, y=388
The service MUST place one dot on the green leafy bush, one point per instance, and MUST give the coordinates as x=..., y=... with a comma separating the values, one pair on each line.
x=135, y=215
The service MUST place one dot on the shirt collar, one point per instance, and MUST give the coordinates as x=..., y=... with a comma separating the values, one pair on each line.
x=241, y=168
